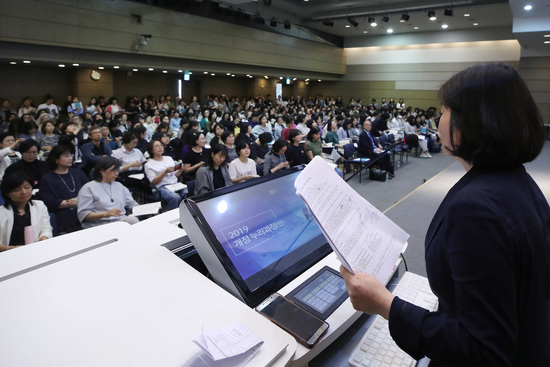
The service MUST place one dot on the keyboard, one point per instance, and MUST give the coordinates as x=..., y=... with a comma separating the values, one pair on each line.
x=377, y=348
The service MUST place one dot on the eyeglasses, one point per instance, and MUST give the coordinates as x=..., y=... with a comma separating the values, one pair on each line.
x=31, y=152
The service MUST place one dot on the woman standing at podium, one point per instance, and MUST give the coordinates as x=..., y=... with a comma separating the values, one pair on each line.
x=488, y=245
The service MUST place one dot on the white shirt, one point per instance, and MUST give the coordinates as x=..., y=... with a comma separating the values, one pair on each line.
x=238, y=169
x=127, y=157
x=153, y=168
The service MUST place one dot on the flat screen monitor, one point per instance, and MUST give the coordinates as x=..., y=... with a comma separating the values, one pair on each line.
x=261, y=232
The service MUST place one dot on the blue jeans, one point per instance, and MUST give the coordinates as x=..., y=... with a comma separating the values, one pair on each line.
x=172, y=199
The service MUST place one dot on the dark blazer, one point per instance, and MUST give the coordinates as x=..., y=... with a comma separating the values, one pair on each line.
x=364, y=147
x=487, y=259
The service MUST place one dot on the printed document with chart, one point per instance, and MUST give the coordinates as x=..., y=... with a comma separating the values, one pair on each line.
x=363, y=238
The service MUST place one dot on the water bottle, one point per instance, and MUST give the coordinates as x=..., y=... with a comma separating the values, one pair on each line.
x=387, y=176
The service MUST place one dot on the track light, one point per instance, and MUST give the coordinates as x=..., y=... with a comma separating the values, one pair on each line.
x=371, y=19
x=448, y=12
x=385, y=19
x=352, y=21
x=287, y=24
x=273, y=23
x=431, y=15
x=328, y=23
x=405, y=17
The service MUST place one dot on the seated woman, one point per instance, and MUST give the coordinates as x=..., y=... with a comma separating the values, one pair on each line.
x=162, y=171
x=48, y=139
x=196, y=156
x=59, y=189
x=104, y=200
x=29, y=164
x=228, y=139
x=131, y=158
x=295, y=153
x=276, y=159
x=242, y=168
x=214, y=136
x=314, y=145
x=30, y=131
x=19, y=212
x=332, y=135
x=214, y=174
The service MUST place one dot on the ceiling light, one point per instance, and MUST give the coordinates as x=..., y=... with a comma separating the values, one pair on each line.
x=294, y=79
x=352, y=21
x=213, y=74
x=307, y=80
x=13, y=62
x=431, y=15
x=319, y=80
x=390, y=30
x=373, y=24
x=385, y=19
x=165, y=72
x=404, y=17
x=528, y=7
x=134, y=69
x=415, y=27
x=76, y=64
x=546, y=35
x=101, y=67
x=476, y=23
x=116, y=67
x=233, y=75
x=348, y=26
x=190, y=73
x=61, y=65
x=273, y=23
x=180, y=71
x=227, y=73
x=281, y=77
x=206, y=72
x=547, y=42
x=444, y=26
x=328, y=23
x=287, y=24
x=370, y=20
x=150, y=69
x=365, y=31
x=466, y=14
x=448, y=12
x=26, y=62
x=265, y=76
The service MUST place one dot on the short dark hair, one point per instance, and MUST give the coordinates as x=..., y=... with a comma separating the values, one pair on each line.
x=28, y=144
x=225, y=135
x=294, y=133
x=278, y=145
x=193, y=137
x=150, y=146
x=56, y=152
x=314, y=130
x=128, y=136
x=43, y=128
x=498, y=121
x=215, y=149
x=11, y=182
x=240, y=146
x=4, y=135
x=265, y=138
x=103, y=164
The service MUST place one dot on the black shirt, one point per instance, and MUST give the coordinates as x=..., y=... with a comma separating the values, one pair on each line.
x=193, y=158
x=295, y=155
x=219, y=181
x=17, y=237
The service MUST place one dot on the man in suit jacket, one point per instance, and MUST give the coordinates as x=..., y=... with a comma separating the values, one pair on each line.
x=367, y=148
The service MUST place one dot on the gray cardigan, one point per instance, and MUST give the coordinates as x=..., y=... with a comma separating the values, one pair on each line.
x=204, y=179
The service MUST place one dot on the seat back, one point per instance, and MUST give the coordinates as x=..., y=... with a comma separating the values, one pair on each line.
x=349, y=150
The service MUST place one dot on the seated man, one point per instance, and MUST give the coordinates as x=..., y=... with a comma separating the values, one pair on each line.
x=94, y=150
x=367, y=148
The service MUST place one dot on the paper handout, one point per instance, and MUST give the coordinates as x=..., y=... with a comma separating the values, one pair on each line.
x=363, y=238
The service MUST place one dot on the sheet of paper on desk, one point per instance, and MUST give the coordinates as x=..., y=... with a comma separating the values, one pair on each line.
x=144, y=209
x=137, y=176
x=231, y=341
x=363, y=238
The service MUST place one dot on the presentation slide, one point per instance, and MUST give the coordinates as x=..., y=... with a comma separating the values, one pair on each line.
x=261, y=225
